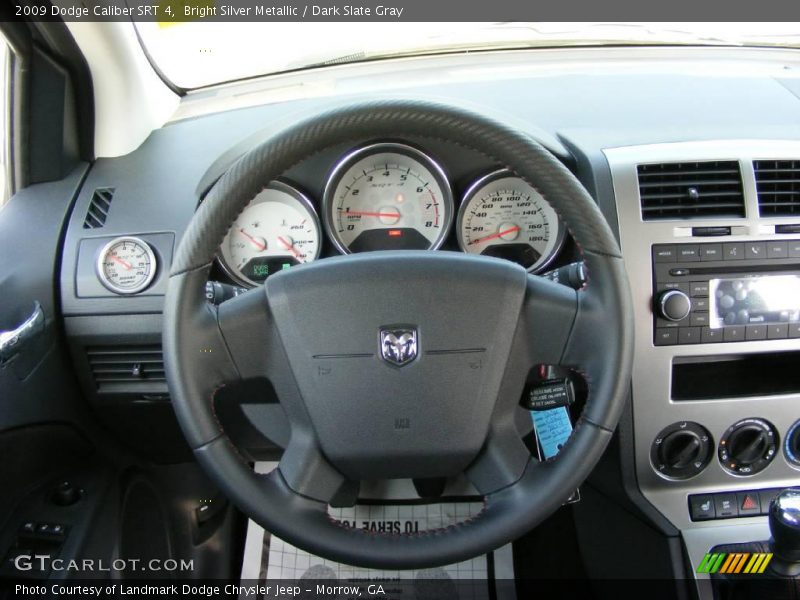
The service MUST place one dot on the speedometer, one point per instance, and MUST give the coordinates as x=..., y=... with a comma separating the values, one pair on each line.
x=277, y=230
x=387, y=196
x=503, y=216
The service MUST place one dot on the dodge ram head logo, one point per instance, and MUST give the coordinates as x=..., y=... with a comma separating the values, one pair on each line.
x=398, y=344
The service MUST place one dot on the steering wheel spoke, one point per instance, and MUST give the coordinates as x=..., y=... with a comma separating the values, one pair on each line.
x=502, y=460
x=548, y=316
x=306, y=470
x=248, y=329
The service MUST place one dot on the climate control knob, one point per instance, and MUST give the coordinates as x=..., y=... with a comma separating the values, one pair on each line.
x=674, y=305
x=791, y=445
x=748, y=446
x=681, y=450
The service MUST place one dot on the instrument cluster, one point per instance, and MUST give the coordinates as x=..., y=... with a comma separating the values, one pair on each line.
x=390, y=196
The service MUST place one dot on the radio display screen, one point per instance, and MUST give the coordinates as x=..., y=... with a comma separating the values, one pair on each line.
x=753, y=300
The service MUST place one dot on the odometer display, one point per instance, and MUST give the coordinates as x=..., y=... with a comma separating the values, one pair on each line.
x=387, y=197
x=503, y=216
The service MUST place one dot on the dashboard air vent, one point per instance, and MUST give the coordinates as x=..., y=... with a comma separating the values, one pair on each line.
x=127, y=368
x=691, y=190
x=778, y=184
x=98, y=208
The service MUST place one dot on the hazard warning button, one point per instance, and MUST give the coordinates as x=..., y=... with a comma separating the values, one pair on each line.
x=748, y=504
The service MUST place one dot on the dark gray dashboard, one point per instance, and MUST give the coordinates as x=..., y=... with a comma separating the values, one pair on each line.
x=577, y=114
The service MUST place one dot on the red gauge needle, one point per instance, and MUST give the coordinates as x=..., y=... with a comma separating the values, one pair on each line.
x=373, y=214
x=289, y=247
x=495, y=235
x=256, y=243
x=125, y=264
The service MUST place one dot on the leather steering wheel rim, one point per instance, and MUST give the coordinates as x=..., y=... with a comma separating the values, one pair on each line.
x=594, y=337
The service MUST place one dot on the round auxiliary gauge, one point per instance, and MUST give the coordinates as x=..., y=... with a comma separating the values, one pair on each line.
x=505, y=217
x=748, y=446
x=126, y=265
x=387, y=196
x=277, y=230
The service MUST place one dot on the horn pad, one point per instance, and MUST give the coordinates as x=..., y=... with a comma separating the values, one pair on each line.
x=399, y=356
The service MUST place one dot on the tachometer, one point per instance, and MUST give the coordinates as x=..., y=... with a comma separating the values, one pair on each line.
x=387, y=196
x=277, y=230
x=503, y=216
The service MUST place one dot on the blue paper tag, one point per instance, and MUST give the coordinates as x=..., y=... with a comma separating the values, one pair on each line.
x=553, y=428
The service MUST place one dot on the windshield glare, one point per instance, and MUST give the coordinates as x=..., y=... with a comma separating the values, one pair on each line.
x=195, y=54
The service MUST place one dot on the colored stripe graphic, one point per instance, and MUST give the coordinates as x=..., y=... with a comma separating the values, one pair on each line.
x=734, y=563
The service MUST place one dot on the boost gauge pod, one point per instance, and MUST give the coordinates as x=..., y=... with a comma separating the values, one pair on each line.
x=126, y=265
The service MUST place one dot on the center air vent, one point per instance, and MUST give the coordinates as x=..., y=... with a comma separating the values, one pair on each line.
x=97, y=213
x=127, y=368
x=691, y=190
x=778, y=184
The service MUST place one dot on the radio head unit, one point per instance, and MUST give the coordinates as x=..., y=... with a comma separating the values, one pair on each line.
x=726, y=292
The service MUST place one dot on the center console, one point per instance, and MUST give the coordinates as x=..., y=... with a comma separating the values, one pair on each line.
x=710, y=233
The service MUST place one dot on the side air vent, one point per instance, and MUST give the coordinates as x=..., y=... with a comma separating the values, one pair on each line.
x=98, y=208
x=691, y=190
x=127, y=368
x=778, y=184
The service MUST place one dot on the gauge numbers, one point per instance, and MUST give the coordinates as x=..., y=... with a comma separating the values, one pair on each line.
x=387, y=197
x=503, y=216
x=126, y=265
x=277, y=230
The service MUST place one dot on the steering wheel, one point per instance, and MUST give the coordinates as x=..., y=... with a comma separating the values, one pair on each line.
x=480, y=324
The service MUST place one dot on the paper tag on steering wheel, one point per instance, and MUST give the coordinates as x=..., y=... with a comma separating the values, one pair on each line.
x=553, y=427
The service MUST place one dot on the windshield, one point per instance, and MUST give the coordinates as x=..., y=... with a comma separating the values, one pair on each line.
x=193, y=54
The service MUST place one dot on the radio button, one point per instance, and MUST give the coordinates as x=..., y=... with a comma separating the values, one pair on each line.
x=755, y=249
x=733, y=334
x=687, y=253
x=734, y=251
x=711, y=252
x=794, y=330
x=699, y=304
x=682, y=286
x=778, y=331
x=710, y=336
x=777, y=250
x=666, y=336
x=664, y=254
x=700, y=319
x=689, y=335
x=756, y=332
x=699, y=288
x=794, y=248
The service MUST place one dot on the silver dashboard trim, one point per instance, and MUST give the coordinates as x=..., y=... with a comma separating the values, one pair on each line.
x=652, y=405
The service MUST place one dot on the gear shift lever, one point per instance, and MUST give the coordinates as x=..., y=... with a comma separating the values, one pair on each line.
x=784, y=524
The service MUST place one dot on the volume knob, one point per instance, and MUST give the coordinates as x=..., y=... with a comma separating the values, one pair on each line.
x=674, y=305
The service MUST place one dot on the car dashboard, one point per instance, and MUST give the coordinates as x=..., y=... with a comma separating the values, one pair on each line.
x=690, y=153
